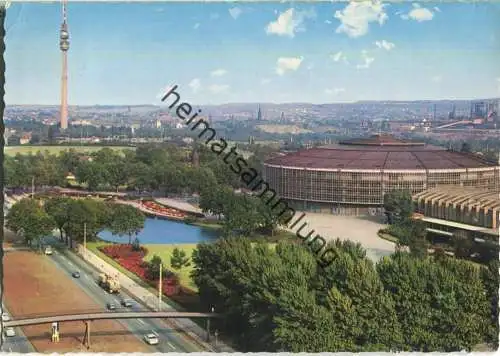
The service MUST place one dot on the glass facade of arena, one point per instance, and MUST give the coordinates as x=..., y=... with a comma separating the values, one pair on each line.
x=365, y=188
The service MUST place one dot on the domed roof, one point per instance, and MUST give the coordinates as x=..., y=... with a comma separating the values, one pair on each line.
x=379, y=152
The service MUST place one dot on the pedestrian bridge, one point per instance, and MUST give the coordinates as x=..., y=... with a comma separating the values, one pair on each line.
x=106, y=316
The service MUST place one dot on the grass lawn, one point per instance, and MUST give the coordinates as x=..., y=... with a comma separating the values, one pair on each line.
x=13, y=150
x=163, y=251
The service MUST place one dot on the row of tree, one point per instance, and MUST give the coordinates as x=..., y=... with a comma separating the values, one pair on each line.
x=165, y=168
x=279, y=300
x=36, y=218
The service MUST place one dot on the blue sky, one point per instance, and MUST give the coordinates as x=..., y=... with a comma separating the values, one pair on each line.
x=254, y=52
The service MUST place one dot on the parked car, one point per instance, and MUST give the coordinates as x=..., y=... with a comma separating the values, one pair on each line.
x=151, y=339
x=76, y=274
x=5, y=317
x=9, y=331
x=111, y=306
x=48, y=250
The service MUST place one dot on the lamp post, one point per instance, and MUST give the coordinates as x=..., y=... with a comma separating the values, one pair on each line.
x=160, y=287
x=208, y=325
x=85, y=239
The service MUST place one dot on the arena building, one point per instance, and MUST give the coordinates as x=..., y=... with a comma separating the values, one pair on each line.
x=351, y=177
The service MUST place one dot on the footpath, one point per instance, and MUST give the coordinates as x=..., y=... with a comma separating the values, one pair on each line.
x=191, y=329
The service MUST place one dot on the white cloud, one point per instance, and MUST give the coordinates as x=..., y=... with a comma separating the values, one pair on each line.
x=437, y=79
x=218, y=88
x=339, y=56
x=419, y=14
x=265, y=81
x=195, y=85
x=357, y=16
x=289, y=22
x=235, y=12
x=218, y=73
x=367, y=60
x=328, y=22
x=437, y=9
x=385, y=45
x=284, y=64
x=196, y=25
x=334, y=91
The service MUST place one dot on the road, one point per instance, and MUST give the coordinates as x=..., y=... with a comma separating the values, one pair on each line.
x=170, y=340
x=18, y=343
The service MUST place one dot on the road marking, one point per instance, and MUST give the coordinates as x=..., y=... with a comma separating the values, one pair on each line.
x=141, y=322
x=169, y=344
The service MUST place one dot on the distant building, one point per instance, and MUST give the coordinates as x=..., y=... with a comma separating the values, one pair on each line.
x=259, y=114
x=25, y=139
x=478, y=110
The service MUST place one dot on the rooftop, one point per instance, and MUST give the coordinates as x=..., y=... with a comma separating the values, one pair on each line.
x=460, y=195
x=380, y=152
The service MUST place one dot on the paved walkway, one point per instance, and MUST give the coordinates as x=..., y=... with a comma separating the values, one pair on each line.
x=151, y=300
x=355, y=228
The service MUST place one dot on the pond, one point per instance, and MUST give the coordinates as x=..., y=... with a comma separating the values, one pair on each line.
x=159, y=231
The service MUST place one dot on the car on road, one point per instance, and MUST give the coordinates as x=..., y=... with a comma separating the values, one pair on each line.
x=9, y=331
x=48, y=250
x=111, y=306
x=5, y=317
x=76, y=274
x=127, y=303
x=151, y=339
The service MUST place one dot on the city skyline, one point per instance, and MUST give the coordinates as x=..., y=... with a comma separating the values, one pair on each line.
x=254, y=52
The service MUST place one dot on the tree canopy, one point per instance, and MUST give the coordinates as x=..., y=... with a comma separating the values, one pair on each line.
x=28, y=218
x=280, y=300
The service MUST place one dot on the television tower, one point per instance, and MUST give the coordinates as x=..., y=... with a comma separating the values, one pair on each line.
x=64, y=46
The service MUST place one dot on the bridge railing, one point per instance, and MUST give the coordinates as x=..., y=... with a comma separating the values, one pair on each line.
x=107, y=315
x=80, y=311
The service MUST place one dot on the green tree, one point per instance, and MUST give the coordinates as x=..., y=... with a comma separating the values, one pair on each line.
x=28, y=217
x=491, y=281
x=126, y=220
x=91, y=173
x=274, y=300
x=398, y=205
x=442, y=306
x=58, y=209
x=178, y=260
x=153, y=268
x=85, y=216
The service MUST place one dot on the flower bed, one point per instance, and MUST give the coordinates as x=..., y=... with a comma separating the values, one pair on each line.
x=134, y=262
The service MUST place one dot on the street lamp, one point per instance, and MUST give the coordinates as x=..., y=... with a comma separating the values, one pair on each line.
x=208, y=325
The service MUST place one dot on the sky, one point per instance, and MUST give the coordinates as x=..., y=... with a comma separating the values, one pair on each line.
x=128, y=53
